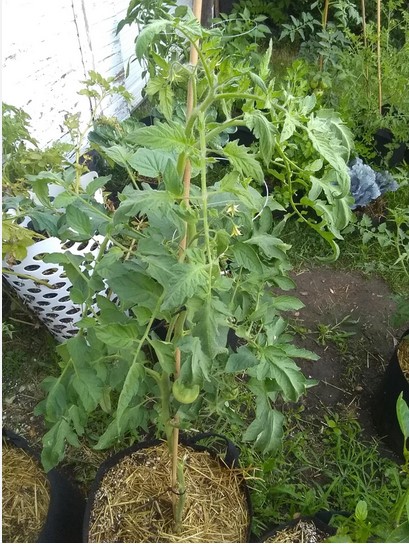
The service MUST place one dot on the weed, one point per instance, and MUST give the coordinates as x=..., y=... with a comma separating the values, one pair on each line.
x=324, y=464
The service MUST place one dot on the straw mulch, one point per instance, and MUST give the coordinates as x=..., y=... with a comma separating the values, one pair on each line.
x=303, y=531
x=26, y=496
x=403, y=356
x=134, y=501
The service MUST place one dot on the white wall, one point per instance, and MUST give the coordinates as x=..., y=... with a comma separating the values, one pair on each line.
x=48, y=48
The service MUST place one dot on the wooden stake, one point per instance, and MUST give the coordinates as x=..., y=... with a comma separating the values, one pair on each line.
x=197, y=11
x=363, y=14
x=379, y=56
x=324, y=26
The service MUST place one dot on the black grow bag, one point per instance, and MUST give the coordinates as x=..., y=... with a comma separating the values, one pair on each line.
x=230, y=458
x=394, y=383
x=322, y=528
x=66, y=509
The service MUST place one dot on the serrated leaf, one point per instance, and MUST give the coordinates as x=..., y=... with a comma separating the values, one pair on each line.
x=64, y=199
x=185, y=281
x=266, y=431
x=79, y=222
x=147, y=34
x=149, y=162
x=263, y=130
x=172, y=180
x=284, y=371
x=164, y=136
x=241, y=360
x=165, y=352
x=166, y=97
x=272, y=247
x=286, y=303
x=54, y=444
x=129, y=390
x=56, y=402
x=119, y=154
x=293, y=351
x=118, y=335
x=246, y=256
x=288, y=129
x=200, y=363
x=244, y=161
x=96, y=184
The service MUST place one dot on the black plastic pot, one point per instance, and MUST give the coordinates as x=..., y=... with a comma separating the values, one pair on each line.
x=317, y=521
x=384, y=137
x=221, y=444
x=66, y=510
x=393, y=384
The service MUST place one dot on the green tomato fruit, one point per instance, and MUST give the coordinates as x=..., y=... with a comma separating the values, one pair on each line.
x=185, y=394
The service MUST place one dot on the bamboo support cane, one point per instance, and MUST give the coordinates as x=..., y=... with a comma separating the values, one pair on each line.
x=197, y=11
x=363, y=15
x=379, y=55
x=324, y=26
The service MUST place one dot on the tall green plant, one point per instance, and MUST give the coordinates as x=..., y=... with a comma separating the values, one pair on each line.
x=228, y=276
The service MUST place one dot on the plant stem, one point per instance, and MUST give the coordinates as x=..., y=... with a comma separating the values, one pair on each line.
x=27, y=277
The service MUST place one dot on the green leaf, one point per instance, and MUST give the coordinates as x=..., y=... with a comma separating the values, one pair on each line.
x=108, y=437
x=288, y=128
x=400, y=534
x=129, y=390
x=361, y=511
x=286, y=303
x=165, y=354
x=56, y=402
x=272, y=247
x=87, y=385
x=185, y=280
x=166, y=97
x=246, y=256
x=266, y=431
x=147, y=34
x=402, y=412
x=79, y=221
x=243, y=359
x=244, y=161
x=96, y=184
x=211, y=327
x=119, y=154
x=149, y=162
x=164, y=136
x=64, y=199
x=118, y=335
x=199, y=362
x=172, y=180
x=293, y=351
x=40, y=188
x=264, y=130
x=54, y=444
x=284, y=371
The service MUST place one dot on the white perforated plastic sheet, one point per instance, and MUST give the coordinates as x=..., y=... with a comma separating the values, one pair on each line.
x=52, y=304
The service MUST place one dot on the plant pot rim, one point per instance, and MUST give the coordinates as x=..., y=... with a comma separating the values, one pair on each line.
x=187, y=441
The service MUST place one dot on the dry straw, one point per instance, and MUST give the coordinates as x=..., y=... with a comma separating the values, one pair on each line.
x=26, y=496
x=134, y=501
x=403, y=357
x=303, y=531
